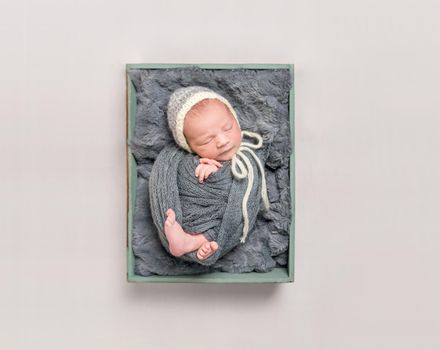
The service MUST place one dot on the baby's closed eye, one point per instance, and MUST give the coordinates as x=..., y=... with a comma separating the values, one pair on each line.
x=207, y=141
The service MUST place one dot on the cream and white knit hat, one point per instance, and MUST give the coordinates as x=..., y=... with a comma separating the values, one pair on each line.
x=180, y=103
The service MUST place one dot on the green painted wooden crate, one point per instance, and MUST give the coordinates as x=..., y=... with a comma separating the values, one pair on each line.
x=277, y=275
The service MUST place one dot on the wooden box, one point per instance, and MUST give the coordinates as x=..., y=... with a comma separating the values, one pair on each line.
x=277, y=275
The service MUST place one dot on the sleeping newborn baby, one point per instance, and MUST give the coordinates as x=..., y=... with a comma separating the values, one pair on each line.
x=208, y=180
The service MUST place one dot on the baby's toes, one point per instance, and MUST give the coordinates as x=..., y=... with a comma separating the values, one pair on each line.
x=206, y=249
x=213, y=246
x=203, y=251
x=200, y=255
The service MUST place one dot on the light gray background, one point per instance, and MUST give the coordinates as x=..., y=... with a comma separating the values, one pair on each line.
x=367, y=118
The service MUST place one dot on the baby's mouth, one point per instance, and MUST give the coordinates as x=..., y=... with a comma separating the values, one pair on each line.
x=227, y=151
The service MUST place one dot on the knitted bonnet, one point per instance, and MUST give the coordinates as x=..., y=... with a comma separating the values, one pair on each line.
x=180, y=103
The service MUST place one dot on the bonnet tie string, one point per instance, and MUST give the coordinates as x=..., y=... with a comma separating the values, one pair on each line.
x=241, y=167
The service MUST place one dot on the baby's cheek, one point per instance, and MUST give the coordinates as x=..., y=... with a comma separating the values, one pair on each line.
x=237, y=137
x=205, y=152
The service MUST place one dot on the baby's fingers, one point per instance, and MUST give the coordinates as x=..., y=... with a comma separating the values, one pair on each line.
x=199, y=167
x=217, y=164
x=208, y=172
x=210, y=162
x=202, y=174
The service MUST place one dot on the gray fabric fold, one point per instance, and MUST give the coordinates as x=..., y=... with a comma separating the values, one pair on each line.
x=212, y=208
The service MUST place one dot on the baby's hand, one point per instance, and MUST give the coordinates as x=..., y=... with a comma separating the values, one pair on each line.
x=206, y=167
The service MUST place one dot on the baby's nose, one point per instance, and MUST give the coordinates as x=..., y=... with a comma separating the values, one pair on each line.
x=222, y=141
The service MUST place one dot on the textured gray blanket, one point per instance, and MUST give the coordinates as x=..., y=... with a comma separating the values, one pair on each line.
x=260, y=98
x=213, y=207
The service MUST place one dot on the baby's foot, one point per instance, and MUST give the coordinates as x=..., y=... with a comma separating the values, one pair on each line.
x=179, y=241
x=206, y=250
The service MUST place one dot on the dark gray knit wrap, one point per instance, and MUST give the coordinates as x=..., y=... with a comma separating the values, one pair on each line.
x=213, y=208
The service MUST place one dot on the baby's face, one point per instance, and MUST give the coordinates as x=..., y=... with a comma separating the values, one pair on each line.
x=214, y=132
